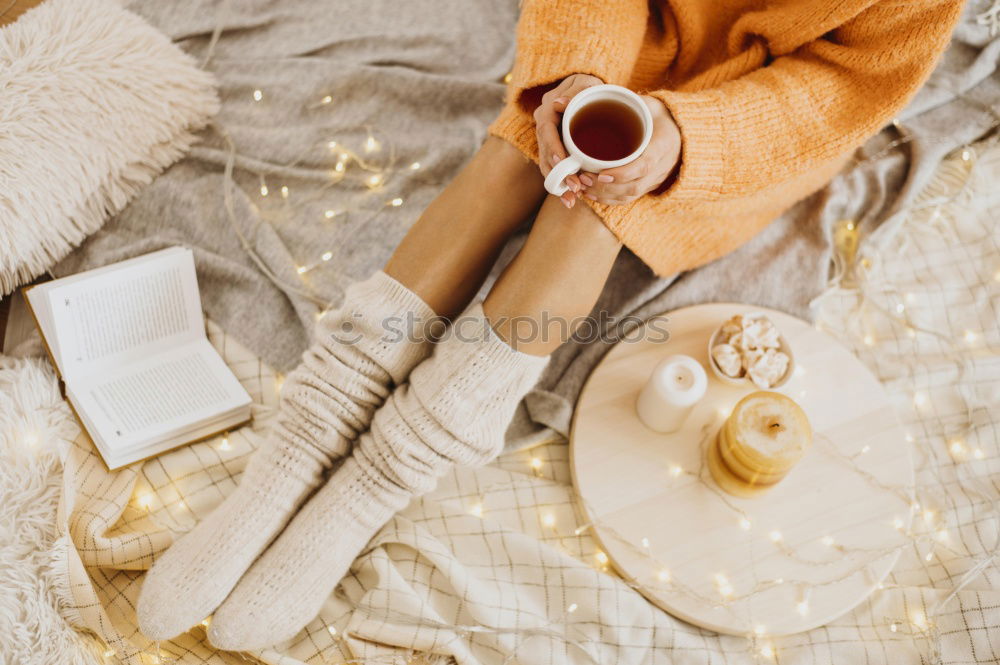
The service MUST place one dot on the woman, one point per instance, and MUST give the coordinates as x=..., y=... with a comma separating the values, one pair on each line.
x=755, y=106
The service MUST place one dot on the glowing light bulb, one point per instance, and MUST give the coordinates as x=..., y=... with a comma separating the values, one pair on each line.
x=865, y=450
x=957, y=448
x=263, y=190
x=374, y=180
x=330, y=214
x=970, y=337
x=571, y=608
x=301, y=270
x=415, y=166
x=258, y=95
x=108, y=653
x=725, y=588
x=326, y=100
x=549, y=520
x=663, y=575
x=225, y=444
x=536, y=463
x=145, y=501
x=898, y=523
x=869, y=340
x=758, y=630
x=396, y=202
x=929, y=556
x=909, y=438
x=919, y=398
x=893, y=627
x=206, y=622
x=775, y=536
x=919, y=620
x=900, y=308
x=767, y=651
x=803, y=608
x=942, y=535
x=966, y=155
x=327, y=256
x=507, y=77
x=676, y=470
x=601, y=557
x=371, y=145
x=978, y=453
x=645, y=543
x=849, y=226
x=477, y=510
x=827, y=540
x=745, y=524
x=284, y=192
x=332, y=145
x=339, y=168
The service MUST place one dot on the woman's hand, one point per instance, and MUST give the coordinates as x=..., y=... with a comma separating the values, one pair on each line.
x=548, y=117
x=625, y=184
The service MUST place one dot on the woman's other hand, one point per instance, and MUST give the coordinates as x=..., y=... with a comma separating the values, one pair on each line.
x=625, y=184
x=548, y=117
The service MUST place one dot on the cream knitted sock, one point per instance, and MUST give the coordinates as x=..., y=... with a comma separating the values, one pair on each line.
x=325, y=403
x=454, y=411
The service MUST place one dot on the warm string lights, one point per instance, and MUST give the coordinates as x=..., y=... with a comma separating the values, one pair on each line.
x=375, y=177
x=876, y=298
x=373, y=166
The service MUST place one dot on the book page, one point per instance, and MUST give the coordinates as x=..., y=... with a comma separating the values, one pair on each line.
x=158, y=397
x=121, y=316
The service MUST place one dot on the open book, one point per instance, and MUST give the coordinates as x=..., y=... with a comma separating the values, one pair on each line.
x=129, y=342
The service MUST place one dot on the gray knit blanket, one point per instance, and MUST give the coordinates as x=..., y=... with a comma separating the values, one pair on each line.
x=400, y=94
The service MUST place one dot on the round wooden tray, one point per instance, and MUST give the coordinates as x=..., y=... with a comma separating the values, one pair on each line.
x=813, y=548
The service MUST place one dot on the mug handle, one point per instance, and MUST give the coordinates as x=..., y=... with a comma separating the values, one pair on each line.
x=554, y=180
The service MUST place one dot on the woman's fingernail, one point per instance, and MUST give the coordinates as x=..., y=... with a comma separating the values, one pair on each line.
x=590, y=196
x=562, y=100
x=585, y=179
x=553, y=160
x=565, y=202
x=605, y=178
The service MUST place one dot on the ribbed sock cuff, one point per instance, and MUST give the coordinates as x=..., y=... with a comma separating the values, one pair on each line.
x=474, y=373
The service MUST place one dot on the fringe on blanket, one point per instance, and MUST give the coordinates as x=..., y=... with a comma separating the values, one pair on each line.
x=95, y=102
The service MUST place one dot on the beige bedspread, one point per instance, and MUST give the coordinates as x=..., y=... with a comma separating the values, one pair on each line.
x=488, y=568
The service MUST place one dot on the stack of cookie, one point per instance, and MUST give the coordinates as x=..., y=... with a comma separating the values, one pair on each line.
x=765, y=436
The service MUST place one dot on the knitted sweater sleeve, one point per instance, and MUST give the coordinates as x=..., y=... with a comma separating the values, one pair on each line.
x=808, y=106
x=557, y=38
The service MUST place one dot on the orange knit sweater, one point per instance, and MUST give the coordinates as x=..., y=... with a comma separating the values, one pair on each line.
x=771, y=97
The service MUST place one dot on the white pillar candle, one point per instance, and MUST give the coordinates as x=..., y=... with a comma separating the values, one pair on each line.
x=674, y=387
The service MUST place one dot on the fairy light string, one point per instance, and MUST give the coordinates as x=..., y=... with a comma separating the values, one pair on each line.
x=852, y=274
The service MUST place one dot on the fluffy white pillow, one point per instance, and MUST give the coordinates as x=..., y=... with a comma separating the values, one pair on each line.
x=94, y=102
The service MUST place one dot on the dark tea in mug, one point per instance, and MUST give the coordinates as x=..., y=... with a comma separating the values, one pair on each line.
x=606, y=130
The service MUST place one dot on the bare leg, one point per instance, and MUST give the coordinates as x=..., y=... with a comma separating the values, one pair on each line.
x=555, y=279
x=448, y=253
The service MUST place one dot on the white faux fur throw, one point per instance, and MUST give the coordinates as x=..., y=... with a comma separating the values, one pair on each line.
x=94, y=102
x=35, y=423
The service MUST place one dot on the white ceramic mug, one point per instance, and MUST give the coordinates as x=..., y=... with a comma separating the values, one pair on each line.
x=579, y=160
